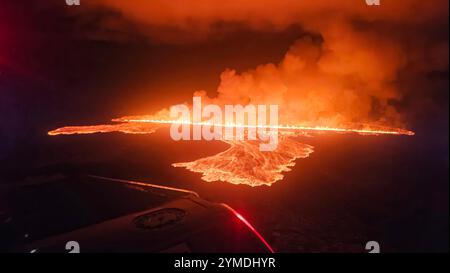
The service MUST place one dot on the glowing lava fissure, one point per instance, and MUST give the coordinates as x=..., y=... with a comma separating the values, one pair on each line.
x=243, y=162
x=148, y=125
x=361, y=129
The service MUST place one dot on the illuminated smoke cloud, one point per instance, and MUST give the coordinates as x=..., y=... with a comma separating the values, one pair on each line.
x=345, y=71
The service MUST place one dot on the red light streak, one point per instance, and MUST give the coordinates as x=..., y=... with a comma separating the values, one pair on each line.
x=247, y=223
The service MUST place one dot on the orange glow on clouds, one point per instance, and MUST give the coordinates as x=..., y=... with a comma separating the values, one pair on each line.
x=340, y=76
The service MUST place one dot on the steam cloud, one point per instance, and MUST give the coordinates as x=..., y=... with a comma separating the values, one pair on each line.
x=344, y=71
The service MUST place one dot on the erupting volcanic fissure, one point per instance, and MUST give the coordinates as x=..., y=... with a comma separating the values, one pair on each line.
x=242, y=162
x=147, y=125
x=338, y=78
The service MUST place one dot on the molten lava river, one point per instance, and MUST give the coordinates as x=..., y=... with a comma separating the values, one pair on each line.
x=242, y=162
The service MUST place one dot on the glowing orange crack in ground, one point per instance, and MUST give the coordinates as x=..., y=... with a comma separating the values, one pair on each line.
x=242, y=162
x=392, y=131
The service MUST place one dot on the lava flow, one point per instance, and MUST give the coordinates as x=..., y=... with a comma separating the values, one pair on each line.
x=242, y=162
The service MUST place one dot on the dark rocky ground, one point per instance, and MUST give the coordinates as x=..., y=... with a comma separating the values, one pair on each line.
x=351, y=190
